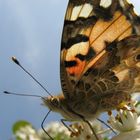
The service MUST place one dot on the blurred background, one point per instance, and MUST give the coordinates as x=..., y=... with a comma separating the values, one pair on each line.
x=31, y=31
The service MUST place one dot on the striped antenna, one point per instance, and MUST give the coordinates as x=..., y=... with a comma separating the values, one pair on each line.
x=18, y=63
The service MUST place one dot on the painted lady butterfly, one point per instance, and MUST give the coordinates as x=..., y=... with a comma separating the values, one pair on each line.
x=100, y=59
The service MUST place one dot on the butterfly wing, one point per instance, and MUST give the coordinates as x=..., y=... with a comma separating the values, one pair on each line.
x=91, y=28
x=111, y=84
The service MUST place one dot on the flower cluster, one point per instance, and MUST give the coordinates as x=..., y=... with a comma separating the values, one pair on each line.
x=126, y=122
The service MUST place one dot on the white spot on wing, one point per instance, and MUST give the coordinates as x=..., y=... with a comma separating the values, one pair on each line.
x=75, y=12
x=81, y=48
x=86, y=10
x=81, y=11
x=122, y=3
x=105, y=3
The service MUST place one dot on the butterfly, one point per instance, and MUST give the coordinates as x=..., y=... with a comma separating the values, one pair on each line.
x=99, y=59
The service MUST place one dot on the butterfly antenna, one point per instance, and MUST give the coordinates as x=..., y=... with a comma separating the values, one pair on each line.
x=42, y=125
x=22, y=94
x=17, y=62
x=38, y=96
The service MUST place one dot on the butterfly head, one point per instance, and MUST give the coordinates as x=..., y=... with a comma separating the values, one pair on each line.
x=53, y=103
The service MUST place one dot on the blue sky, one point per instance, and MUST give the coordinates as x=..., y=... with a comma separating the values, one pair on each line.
x=31, y=31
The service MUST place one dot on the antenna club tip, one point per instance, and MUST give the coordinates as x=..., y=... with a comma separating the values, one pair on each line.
x=15, y=60
x=6, y=92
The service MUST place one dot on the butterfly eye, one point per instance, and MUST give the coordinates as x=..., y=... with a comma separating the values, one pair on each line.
x=55, y=102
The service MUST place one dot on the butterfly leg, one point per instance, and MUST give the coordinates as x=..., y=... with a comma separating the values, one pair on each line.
x=42, y=125
x=93, y=131
x=78, y=132
x=63, y=122
x=72, y=132
x=107, y=125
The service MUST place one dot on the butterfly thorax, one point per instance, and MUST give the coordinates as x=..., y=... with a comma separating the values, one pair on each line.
x=61, y=104
x=73, y=110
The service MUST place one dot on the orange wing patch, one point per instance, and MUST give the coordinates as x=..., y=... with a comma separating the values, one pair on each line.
x=89, y=29
x=78, y=69
x=74, y=65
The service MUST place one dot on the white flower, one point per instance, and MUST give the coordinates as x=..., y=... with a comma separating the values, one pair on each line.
x=54, y=129
x=83, y=131
x=135, y=96
x=127, y=123
x=27, y=132
x=131, y=135
x=79, y=131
